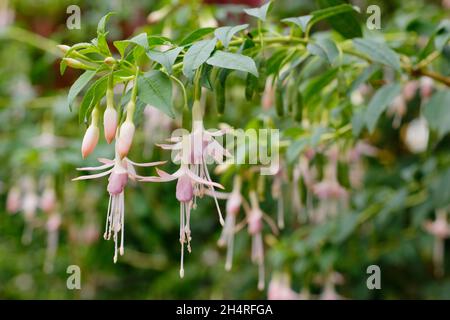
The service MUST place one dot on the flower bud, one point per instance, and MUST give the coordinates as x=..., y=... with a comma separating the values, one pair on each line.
x=75, y=63
x=185, y=191
x=110, y=61
x=417, y=134
x=110, y=123
x=409, y=90
x=53, y=223
x=255, y=224
x=48, y=200
x=234, y=203
x=64, y=49
x=13, y=200
x=90, y=140
x=125, y=138
x=426, y=87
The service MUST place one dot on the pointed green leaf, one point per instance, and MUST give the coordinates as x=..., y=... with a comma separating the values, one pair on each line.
x=197, y=54
x=225, y=34
x=378, y=52
x=94, y=94
x=166, y=58
x=78, y=85
x=260, y=13
x=140, y=40
x=346, y=23
x=196, y=35
x=155, y=88
x=101, y=42
x=326, y=49
x=302, y=21
x=436, y=111
x=234, y=61
x=379, y=102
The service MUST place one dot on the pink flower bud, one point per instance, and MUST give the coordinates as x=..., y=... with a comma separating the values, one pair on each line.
x=117, y=182
x=185, y=191
x=268, y=95
x=13, y=200
x=89, y=141
x=110, y=123
x=409, y=90
x=234, y=203
x=125, y=138
x=426, y=87
x=53, y=223
x=48, y=200
x=255, y=224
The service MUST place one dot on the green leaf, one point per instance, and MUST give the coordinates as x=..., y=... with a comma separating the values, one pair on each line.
x=94, y=94
x=317, y=84
x=234, y=61
x=326, y=49
x=302, y=21
x=380, y=100
x=225, y=34
x=345, y=23
x=295, y=148
x=326, y=13
x=101, y=34
x=378, y=52
x=140, y=40
x=260, y=13
x=78, y=85
x=195, y=35
x=197, y=54
x=166, y=58
x=155, y=88
x=436, y=111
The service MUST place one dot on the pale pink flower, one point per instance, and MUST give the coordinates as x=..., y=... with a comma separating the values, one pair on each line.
x=417, y=135
x=440, y=229
x=397, y=109
x=48, y=200
x=279, y=288
x=13, y=200
x=233, y=206
x=426, y=87
x=409, y=90
x=186, y=180
x=110, y=123
x=52, y=226
x=268, y=95
x=126, y=134
x=193, y=150
x=255, y=217
x=90, y=140
x=119, y=171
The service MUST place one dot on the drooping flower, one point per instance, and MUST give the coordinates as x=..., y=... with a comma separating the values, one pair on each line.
x=186, y=180
x=119, y=171
x=255, y=217
x=13, y=200
x=440, y=229
x=91, y=136
x=397, y=109
x=52, y=226
x=279, y=288
x=30, y=205
x=195, y=149
x=329, y=191
x=233, y=206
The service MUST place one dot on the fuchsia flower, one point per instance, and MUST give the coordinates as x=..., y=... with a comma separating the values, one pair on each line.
x=279, y=288
x=440, y=229
x=186, y=180
x=13, y=201
x=90, y=140
x=255, y=217
x=329, y=190
x=233, y=206
x=119, y=171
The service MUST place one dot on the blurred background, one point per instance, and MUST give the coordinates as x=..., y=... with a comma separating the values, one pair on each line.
x=48, y=222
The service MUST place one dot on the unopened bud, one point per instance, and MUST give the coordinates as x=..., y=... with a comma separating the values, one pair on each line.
x=126, y=135
x=75, y=63
x=109, y=61
x=417, y=134
x=64, y=49
x=110, y=123
x=426, y=87
x=13, y=200
x=90, y=140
